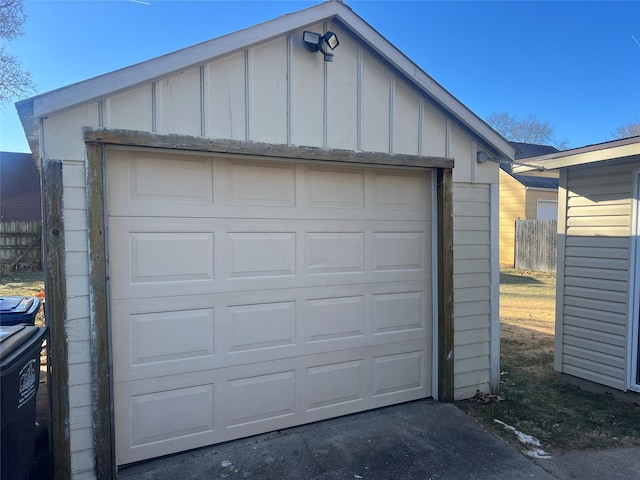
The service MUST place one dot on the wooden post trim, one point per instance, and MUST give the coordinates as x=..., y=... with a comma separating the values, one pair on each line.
x=103, y=434
x=258, y=149
x=445, y=285
x=53, y=245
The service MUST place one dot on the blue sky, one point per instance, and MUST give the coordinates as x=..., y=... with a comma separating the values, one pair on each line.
x=575, y=64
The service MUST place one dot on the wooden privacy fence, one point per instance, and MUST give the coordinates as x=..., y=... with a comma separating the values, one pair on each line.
x=21, y=245
x=535, y=245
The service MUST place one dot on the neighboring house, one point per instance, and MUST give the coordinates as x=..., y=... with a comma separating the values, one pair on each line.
x=19, y=187
x=524, y=197
x=282, y=239
x=598, y=278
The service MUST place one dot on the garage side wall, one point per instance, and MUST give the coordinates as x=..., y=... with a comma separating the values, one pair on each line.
x=277, y=92
x=594, y=281
x=473, y=265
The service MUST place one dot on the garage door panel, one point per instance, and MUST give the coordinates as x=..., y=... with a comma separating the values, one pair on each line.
x=334, y=187
x=160, y=416
x=279, y=293
x=399, y=250
x=246, y=327
x=335, y=318
x=400, y=190
x=260, y=326
x=260, y=254
x=255, y=398
x=200, y=186
x=187, y=256
x=335, y=384
x=152, y=178
x=170, y=257
x=334, y=252
x=269, y=184
x=168, y=336
x=398, y=373
x=260, y=398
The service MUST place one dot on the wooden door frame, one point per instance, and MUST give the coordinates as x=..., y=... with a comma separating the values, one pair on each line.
x=97, y=142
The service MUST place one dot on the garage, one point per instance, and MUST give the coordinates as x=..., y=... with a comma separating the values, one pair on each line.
x=242, y=236
x=251, y=295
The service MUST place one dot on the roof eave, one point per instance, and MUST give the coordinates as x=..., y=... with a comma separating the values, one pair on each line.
x=149, y=70
x=617, y=149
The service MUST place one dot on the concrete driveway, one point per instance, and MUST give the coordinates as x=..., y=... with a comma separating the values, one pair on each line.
x=419, y=440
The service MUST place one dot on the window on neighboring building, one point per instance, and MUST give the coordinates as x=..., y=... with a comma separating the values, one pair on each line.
x=547, y=210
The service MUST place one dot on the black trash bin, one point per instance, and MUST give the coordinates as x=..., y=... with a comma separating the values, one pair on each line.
x=18, y=310
x=20, y=347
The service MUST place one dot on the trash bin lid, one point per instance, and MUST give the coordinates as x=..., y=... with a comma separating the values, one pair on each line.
x=15, y=304
x=16, y=338
x=6, y=332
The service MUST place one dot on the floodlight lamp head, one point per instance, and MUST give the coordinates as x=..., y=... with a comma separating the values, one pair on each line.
x=314, y=42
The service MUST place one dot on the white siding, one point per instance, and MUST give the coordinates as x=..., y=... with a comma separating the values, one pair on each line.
x=178, y=100
x=375, y=106
x=131, y=110
x=225, y=98
x=268, y=92
x=406, y=119
x=595, y=275
x=77, y=325
x=472, y=291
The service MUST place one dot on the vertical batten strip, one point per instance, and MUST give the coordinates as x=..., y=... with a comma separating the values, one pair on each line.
x=289, y=113
x=392, y=92
x=447, y=140
x=325, y=99
x=101, y=108
x=359, y=55
x=421, y=107
x=154, y=107
x=203, y=116
x=247, y=97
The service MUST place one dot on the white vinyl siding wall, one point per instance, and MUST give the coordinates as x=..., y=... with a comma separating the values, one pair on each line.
x=472, y=293
x=356, y=103
x=594, y=280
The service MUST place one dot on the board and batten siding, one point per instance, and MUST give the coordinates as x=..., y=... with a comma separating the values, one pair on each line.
x=593, y=278
x=277, y=92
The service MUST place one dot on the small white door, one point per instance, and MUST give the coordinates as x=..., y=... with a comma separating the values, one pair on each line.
x=249, y=295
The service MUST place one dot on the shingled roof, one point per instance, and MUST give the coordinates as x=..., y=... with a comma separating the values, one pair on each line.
x=528, y=150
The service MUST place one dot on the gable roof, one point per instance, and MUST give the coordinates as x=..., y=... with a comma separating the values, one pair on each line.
x=332, y=10
x=531, y=181
x=526, y=150
x=600, y=152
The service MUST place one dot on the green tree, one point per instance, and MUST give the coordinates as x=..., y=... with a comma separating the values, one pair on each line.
x=15, y=81
x=529, y=129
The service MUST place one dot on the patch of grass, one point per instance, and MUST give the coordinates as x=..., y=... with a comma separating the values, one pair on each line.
x=537, y=400
x=23, y=285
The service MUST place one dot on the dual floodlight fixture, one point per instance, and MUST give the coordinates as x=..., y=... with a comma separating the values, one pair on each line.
x=314, y=42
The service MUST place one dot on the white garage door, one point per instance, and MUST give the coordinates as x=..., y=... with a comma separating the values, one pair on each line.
x=249, y=295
